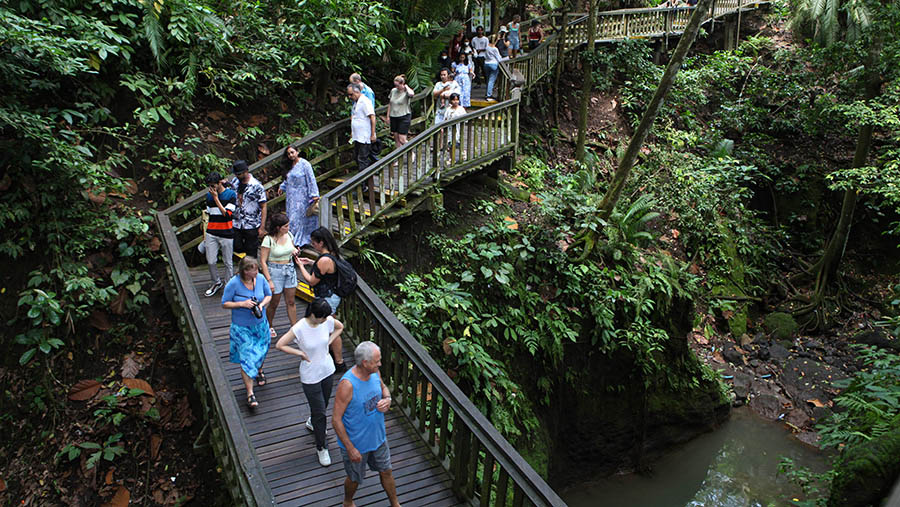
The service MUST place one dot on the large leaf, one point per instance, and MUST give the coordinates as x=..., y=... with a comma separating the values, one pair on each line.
x=84, y=390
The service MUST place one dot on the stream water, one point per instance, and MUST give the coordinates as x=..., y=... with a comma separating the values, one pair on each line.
x=734, y=466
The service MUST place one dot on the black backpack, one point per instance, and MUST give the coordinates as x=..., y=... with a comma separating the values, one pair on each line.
x=346, y=277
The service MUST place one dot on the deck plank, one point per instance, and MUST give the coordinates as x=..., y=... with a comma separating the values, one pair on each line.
x=286, y=449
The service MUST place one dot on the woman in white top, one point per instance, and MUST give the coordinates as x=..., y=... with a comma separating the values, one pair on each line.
x=276, y=263
x=312, y=335
x=491, y=66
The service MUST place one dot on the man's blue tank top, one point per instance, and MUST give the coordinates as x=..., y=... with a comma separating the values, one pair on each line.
x=363, y=422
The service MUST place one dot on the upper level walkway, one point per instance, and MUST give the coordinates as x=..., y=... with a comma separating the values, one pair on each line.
x=445, y=451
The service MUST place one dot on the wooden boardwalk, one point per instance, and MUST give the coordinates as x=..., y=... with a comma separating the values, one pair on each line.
x=286, y=449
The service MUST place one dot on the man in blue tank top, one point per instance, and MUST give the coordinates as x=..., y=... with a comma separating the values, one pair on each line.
x=358, y=420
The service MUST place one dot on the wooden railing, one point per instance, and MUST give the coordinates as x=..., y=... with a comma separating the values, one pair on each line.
x=441, y=151
x=228, y=436
x=327, y=149
x=484, y=467
x=611, y=26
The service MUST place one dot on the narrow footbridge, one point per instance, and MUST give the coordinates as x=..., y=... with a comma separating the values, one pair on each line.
x=445, y=452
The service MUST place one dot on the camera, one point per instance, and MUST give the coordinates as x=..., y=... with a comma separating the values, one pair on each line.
x=257, y=311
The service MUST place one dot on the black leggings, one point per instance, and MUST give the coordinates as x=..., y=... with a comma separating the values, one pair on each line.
x=317, y=395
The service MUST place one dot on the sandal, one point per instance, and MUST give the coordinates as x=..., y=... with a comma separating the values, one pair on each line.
x=261, y=379
x=272, y=333
x=251, y=401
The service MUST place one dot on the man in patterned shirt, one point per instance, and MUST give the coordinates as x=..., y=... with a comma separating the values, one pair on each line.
x=250, y=217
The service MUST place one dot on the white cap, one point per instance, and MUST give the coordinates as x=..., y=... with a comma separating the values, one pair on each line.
x=503, y=28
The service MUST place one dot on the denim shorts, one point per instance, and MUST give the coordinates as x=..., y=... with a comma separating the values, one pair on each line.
x=378, y=460
x=333, y=301
x=283, y=275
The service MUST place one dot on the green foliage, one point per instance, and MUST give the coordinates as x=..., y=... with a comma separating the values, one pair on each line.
x=533, y=171
x=871, y=401
x=501, y=296
x=108, y=450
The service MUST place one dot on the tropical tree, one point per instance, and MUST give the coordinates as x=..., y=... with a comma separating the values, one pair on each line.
x=589, y=236
x=859, y=28
x=588, y=80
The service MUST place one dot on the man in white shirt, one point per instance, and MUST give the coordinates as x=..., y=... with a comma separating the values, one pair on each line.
x=362, y=127
x=479, y=45
x=441, y=93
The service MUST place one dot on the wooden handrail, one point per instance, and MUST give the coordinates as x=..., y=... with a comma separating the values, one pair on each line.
x=237, y=449
x=423, y=396
x=418, y=160
x=458, y=434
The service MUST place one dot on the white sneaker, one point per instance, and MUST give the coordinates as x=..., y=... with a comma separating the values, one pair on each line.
x=324, y=458
x=211, y=291
x=309, y=425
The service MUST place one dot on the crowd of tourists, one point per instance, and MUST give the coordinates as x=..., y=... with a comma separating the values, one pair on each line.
x=239, y=222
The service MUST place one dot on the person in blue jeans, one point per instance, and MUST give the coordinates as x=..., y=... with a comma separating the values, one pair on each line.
x=491, y=66
x=312, y=335
x=359, y=406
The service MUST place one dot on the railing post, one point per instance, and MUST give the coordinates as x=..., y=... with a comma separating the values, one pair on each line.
x=324, y=212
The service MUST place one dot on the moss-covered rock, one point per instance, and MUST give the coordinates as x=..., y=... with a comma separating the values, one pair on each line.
x=865, y=473
x=781, y=325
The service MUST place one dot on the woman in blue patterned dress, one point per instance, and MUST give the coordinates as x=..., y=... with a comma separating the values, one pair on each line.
x=302, y=192
x=465, y=71
x=247, y=294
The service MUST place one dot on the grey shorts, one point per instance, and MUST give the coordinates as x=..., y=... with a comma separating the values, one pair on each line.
x=283, y=276
x=378, y=460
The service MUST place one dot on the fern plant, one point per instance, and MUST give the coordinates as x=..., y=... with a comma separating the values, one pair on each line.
x=871, y=400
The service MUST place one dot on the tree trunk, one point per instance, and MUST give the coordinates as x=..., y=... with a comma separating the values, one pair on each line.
x=495, y=16
x=643, y=130
x=560, y=61
x=588, y=83
x=827, y=266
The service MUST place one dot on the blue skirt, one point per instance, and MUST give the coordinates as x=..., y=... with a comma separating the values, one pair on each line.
x=249, y=346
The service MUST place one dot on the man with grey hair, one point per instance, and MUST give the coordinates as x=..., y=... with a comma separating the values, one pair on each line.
x=361, y=400
x=366, y=90
x=362, y=128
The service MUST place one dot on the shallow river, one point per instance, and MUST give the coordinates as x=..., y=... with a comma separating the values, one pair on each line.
x=734, y=466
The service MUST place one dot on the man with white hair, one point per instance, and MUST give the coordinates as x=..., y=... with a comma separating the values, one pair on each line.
x=360, y=403
x=355, y=78
x=362, y=127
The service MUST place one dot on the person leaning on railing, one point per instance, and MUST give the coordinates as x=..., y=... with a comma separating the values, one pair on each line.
x=491, y=66
x=322, y=276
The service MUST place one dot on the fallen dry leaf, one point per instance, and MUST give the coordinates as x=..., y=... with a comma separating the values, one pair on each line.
x=84, y=390
x=154, y=244
x=216, y=115
x=136, y=383
x=701, y=339
x=120, y=499
x=130, y=367
x=534, y=198
x=155, y=442
x=99, y=198
x=511, y=223
x=447, y=349
x=717, y=357
x=816, y=402
x=2, y=485
x=109, y=475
